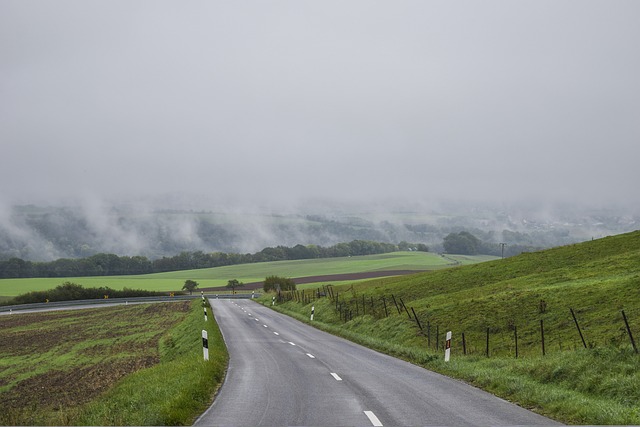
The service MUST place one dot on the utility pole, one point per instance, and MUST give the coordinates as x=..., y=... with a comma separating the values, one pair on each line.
x=502, y=245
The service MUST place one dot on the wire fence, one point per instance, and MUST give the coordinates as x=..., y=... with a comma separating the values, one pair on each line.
x=539, y=333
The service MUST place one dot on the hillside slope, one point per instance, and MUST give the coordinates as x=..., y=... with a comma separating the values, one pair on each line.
x=597, y=279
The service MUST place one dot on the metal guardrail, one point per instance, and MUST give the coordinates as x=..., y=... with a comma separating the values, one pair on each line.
x=97, y=302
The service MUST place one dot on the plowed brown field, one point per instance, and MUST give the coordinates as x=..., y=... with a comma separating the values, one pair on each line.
x=56, y=360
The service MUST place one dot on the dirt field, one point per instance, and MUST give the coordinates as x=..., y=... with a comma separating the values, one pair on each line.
x=59, y=360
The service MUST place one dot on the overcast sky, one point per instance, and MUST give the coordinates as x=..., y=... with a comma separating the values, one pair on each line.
x=354, y=100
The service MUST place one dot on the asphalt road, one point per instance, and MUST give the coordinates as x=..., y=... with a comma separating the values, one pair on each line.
x=283, y=372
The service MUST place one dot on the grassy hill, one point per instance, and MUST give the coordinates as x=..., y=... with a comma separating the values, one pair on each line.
x=246, y=273
x=597, y=279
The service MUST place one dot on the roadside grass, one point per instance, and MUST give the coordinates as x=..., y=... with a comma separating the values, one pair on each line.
x=173, y=392
x=128, y=365
x=598, y=384
x=247, y=273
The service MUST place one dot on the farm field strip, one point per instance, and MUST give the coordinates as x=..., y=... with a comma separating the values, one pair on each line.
x=43, y=353
x=246, y=273
x=75, y=367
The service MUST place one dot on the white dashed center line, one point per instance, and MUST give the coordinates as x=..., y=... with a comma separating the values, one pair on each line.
x=311, y=355
x=276, y=333
x=265, y=326
x=372, y=417
x=292, y=343
x=336, y=376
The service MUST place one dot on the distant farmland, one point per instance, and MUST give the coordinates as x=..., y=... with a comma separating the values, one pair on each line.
x=248, y=273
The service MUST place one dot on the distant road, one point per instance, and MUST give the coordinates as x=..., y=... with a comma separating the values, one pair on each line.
x=96, y=303
x=283, y=372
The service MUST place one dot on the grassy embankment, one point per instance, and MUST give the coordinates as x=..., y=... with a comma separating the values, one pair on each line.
x=128, y=365
x=246, y=273
x=599, y=384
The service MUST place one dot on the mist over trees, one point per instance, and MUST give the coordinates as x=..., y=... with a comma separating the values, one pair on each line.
x=463, y=243
x=146, y=240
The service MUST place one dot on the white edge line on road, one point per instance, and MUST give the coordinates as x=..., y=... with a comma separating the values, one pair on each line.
x=372, y=417
x=336, y=376
x=311, y=355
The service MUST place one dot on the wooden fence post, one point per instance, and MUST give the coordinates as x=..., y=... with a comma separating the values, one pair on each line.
x=487, y=342
x=626, y=322
x=464, y=345
x=542, y=335
x=394, y=301
x=584, y=343
x=405, y=308
x=416, y=317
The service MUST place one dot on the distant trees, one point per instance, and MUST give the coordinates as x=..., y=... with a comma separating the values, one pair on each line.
x=233, y=284
x=111, y=265
x=71, y=291
x=277, y=283
x=190, y=286
x=463, y=243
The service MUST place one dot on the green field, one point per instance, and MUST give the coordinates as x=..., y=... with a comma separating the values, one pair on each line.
x=126, y=365
x=247, y=273
x=599, y=384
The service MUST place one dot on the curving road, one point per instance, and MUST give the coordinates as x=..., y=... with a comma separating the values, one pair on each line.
x=283, y=372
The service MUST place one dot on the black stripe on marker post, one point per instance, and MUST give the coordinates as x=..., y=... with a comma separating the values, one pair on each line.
x=205, y=344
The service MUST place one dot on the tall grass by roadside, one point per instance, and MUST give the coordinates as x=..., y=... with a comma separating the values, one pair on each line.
x=598, y=384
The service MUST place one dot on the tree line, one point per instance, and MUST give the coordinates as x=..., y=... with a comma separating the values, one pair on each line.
x=71, y=291
x=114, y=265
x=465, y=243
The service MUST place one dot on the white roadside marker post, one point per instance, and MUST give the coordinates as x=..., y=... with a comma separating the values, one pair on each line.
x=253, y=294
x=205, y=344
x=273, y=300
x=205, y=314
x=313, y=310
x=447, y=351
